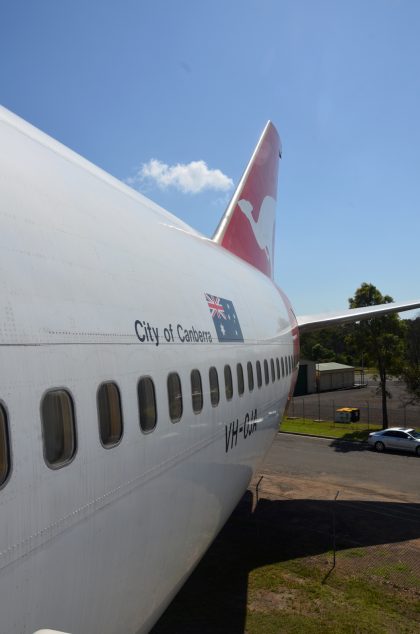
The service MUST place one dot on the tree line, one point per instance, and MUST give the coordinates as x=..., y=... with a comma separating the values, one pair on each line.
x=389, y=344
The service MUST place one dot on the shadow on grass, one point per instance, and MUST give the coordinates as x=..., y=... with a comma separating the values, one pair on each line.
x=214, y=598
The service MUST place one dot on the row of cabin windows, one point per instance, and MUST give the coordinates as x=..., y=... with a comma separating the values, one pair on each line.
x=58, y=417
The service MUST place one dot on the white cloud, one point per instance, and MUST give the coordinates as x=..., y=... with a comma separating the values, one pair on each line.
x=189, y=178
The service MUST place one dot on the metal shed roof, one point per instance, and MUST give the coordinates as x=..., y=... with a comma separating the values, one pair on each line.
x=333, y=367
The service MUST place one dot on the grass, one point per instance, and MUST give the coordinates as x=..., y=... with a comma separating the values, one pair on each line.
x=291, y=597
x=252, y=580
x=393, y=570
x=353, y=553
x=344, y=431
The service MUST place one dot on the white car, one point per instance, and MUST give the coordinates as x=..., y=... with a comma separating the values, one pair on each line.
x=396, y=438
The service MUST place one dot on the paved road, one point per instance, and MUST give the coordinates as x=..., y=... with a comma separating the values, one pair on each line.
x=344, y=464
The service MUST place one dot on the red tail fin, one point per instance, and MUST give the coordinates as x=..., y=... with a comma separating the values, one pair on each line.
x=247, y=227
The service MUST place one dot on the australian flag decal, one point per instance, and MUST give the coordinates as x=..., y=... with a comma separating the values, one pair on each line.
x=224, y=318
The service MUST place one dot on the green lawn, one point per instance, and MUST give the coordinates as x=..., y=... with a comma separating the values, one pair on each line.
x=346, y=431
x=293, y=597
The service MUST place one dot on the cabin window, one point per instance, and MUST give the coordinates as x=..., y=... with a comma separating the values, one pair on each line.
x=240, y=375
x=278, y=368
x=214, y=387
x=266, y=375
x=228, y=382
x=109, y=413
x=259, y=375
x=4, y=447
x=250, y=376
x=196, y=391
x=174, y=397
x=273, y=373
x=58, y=428
x=147, y=404
x=282, y=367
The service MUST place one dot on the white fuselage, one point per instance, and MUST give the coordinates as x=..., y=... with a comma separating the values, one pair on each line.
x=103, y=543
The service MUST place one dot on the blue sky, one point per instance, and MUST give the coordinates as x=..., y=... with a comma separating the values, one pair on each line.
x=192, y=81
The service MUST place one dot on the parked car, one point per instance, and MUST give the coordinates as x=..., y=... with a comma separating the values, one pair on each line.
x=396, y=438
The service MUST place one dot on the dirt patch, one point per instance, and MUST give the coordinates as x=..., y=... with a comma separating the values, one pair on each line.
x=282, y=599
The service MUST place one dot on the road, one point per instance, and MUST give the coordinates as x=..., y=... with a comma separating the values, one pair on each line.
x=352, y=465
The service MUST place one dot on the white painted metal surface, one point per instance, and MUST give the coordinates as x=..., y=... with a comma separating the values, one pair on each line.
x=49, y=632
x=307, y=323
x=103, y=544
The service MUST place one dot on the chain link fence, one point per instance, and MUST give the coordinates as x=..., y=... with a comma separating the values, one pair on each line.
x=313, y=408
x=377, y=540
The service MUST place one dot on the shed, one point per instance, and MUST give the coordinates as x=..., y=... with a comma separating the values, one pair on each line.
x=334, y=376
x=306, y=381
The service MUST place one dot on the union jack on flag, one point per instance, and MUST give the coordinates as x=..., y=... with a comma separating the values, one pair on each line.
x=216, y=308
x=224, y=317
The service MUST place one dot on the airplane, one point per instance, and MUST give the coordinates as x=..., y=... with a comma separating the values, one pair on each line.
x=144, y=371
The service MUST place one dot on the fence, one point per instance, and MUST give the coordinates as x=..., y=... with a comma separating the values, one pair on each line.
x=375, y=539
x=313, y=408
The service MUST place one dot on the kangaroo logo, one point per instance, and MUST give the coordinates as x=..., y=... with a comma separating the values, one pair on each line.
x=264, y=227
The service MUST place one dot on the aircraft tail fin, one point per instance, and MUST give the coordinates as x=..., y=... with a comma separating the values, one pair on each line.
x=247, y=227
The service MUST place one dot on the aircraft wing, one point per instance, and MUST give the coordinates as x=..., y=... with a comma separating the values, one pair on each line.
x=307, y=323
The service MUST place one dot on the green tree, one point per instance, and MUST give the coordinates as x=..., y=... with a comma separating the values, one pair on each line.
x=380, y=340
x=320, y=354
x=411, y=371
x=333, y=343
